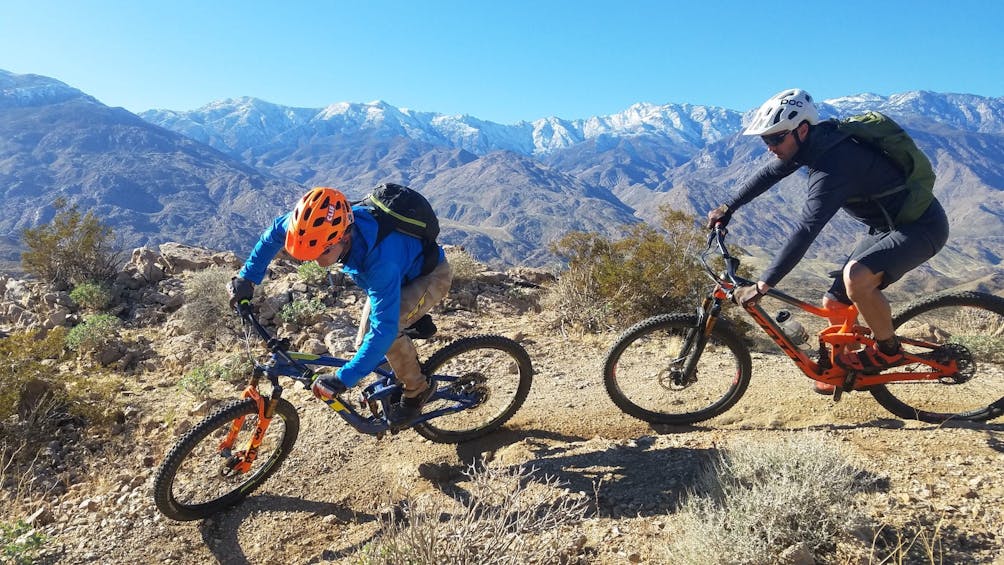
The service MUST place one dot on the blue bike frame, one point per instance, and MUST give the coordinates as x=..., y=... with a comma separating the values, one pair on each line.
x=377, y=396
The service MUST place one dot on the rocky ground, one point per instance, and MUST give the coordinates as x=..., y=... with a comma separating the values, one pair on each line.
x=326, y=501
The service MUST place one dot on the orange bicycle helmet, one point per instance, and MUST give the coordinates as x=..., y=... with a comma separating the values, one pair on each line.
x=319, y=221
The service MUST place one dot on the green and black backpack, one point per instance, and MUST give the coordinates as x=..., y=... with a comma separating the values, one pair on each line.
x=881, y=133
x=399, y=208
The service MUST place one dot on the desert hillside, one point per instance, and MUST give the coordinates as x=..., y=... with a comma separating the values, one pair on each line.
x=931, y=493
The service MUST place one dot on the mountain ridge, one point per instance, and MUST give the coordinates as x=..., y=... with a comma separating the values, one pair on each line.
x=216, y=175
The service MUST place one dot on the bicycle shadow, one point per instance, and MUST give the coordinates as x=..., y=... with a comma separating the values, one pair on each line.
x=220, y=533
x=619, y=479
x=882, y=423
x=475, y=451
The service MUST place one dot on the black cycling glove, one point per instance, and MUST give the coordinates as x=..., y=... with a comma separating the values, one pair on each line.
x=240, y=290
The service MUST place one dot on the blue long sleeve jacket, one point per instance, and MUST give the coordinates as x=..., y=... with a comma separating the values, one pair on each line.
x=379, y=270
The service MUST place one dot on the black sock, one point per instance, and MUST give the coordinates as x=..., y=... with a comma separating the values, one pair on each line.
x=413, y=401
x=889, y=346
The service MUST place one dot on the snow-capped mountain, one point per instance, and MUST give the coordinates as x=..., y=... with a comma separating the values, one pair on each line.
x=505, y=192
x=249, y=126
x=963, y=111
x=237, y=126
x=34, y=90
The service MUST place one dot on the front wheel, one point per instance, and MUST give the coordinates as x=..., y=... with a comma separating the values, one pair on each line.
x=644, y=371
x=492, y=370
x=968, y=327
x=197, y=479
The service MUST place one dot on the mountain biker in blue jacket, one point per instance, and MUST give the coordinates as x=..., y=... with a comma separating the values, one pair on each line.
x=324, y=228
x=843, y=174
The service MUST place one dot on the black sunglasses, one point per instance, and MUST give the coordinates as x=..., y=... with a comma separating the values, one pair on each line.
x=775, y=139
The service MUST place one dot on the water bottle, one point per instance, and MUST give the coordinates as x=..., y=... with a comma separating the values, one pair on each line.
x=793, y=329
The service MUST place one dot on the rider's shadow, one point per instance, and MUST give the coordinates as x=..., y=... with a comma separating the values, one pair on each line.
x=624, y=480
x=220, y=534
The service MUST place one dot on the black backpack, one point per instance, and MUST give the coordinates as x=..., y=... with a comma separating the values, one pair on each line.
x=399, y=208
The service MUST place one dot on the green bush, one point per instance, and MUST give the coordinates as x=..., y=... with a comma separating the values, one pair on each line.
x=21, y=362
x=302, y=311
x=198, y=382
x=312, y=273
x=95, y=331
x=647, y=272
x=207, y=312
x=91, y=295
x=72, y=249
x=20, y=542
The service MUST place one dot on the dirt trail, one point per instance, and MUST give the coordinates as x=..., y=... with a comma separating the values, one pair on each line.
x=323, y=504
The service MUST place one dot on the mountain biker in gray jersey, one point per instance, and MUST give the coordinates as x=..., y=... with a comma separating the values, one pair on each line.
x=841, y=172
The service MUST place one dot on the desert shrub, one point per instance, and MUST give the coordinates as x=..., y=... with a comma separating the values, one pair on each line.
x=302, y=311
x=27, y=367
x=72, y=249
x=311, y=273
x=207, y=312
x=465, y=267
x=199, y=381
x=508, y=516
x=761, y=498
x=649, y=271
x=91, y=295
x=22, y=360
x=93, y=333
x=20, y=542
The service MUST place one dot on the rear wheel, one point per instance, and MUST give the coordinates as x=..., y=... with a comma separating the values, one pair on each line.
x=194, y=481
x=969, y=327
x=493, y=370
x=644, y=373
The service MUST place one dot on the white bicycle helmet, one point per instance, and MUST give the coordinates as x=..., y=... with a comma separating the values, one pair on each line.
x=783, y=112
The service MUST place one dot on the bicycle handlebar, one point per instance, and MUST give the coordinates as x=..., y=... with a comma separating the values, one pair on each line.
x=273, y=343
x=717, y=236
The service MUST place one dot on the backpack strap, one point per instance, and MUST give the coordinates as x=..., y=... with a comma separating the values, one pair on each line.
x=430, y=249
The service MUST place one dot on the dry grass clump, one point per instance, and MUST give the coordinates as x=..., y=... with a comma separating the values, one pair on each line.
x=465, y=267
x=760, y=503
x=508, y=516
x=207, y=312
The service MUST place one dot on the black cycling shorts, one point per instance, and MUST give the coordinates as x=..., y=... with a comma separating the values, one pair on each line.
x=895, y=253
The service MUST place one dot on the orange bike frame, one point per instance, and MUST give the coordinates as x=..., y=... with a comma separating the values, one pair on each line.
x=839, y=338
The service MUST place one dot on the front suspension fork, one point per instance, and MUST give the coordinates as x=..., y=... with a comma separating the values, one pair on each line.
x=707, y=316
x=241, y=461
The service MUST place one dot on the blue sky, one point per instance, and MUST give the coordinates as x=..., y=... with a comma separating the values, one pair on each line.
x=503, y=61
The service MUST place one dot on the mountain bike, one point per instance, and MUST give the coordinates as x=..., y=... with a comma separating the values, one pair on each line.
x=480, y=382
x=688, y=367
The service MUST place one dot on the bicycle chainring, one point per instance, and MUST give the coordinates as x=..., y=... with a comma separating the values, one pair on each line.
x=963, y=360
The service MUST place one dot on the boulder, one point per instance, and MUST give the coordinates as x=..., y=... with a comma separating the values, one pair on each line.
x=178, y=257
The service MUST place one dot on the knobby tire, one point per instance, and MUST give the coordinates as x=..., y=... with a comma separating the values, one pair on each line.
x=187, y=485
x=639, y=375
x=498, y=366
x=973, y=320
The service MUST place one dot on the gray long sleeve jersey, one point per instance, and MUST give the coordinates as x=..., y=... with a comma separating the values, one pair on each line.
x=839, y=168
